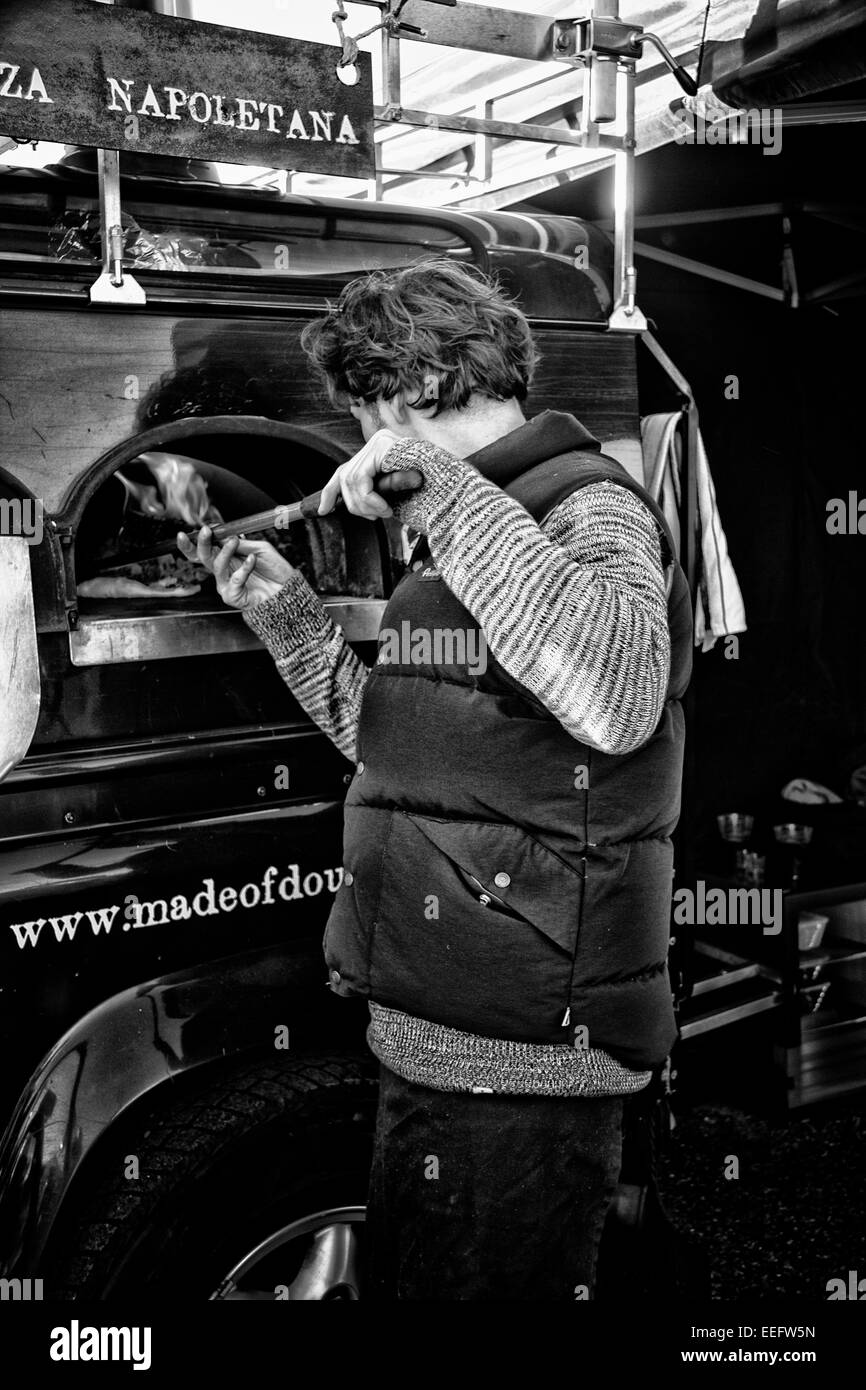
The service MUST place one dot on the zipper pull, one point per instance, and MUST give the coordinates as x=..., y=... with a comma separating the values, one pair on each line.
x=566, y=1018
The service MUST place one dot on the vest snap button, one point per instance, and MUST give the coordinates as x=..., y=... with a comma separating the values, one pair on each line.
x=502, y=880
x=360, y=767
x=334, y=978
x=348, y=878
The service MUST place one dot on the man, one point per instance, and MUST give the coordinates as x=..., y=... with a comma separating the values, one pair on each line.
x=507, y=855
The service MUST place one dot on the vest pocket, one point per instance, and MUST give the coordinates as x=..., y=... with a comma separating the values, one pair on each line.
x=477, y=928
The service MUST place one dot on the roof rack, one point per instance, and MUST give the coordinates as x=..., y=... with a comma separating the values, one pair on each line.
x=606, y=49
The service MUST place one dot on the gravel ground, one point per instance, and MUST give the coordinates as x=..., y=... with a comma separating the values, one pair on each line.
x=793, y=1219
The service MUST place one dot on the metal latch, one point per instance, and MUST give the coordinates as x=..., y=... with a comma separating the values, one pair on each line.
x=579, y=39
x=606, y=36
x=601, y=42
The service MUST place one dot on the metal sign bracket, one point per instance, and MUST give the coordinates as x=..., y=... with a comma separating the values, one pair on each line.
x=114, y=285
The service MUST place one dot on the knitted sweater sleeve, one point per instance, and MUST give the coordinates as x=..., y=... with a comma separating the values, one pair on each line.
x=314, y=659
x=575, y=611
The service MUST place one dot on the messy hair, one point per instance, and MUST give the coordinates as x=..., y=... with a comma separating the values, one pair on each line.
x=391, y=328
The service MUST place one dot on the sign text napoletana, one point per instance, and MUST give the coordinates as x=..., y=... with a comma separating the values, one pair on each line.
x=241, y=113
x=167, y=103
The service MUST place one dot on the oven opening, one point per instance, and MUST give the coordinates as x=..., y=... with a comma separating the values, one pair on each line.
x=132, y=605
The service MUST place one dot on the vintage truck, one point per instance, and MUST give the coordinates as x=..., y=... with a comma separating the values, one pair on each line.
x=187, y=1108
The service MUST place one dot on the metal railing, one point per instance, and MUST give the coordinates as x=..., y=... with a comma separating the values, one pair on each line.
x=604, y=48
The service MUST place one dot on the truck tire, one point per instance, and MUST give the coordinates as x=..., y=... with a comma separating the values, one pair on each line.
x=272, y=1155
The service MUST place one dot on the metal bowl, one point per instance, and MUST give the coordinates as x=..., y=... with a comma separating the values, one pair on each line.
x=792, y=834
x=735, y=826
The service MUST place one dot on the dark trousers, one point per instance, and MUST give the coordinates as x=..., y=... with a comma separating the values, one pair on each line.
x=488, y=1197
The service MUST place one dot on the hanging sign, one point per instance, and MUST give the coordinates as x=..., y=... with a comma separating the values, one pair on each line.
x=83, y=73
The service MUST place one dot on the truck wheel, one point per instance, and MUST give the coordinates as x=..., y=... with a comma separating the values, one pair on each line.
x=253, y=1189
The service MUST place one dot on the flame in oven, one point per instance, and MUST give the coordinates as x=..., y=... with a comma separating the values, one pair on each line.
x=145, y=497
x=180, y=493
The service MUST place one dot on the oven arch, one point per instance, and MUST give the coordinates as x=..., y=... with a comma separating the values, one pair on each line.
x=375, y=552
x=176, y=432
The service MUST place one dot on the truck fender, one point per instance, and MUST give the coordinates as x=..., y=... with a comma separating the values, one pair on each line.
x=130, y=1044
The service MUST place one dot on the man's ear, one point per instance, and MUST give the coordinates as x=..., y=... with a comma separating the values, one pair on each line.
x=395, y=413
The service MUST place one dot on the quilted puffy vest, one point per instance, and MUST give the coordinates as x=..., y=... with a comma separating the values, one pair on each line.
x=501, y=877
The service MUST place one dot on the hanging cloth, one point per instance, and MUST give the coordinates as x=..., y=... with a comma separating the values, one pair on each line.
x=719, y=609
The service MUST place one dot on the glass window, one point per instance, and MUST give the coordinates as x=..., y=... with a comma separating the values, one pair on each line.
x=49, y=221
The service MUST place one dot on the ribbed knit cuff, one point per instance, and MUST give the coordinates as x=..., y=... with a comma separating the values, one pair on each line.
x=292, y=619
x=448, y=1059
x=445, y=479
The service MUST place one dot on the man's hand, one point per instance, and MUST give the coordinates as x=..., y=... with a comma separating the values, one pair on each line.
x=246, y=572
x=356, y=480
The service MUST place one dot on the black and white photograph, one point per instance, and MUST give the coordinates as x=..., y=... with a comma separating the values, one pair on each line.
x=432, y=676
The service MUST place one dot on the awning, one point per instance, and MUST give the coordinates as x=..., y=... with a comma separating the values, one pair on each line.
x=750, y=53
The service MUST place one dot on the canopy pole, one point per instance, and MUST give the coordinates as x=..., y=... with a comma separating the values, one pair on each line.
x=625, y=315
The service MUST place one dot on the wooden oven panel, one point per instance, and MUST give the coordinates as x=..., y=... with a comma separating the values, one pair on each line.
x=79, y=383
